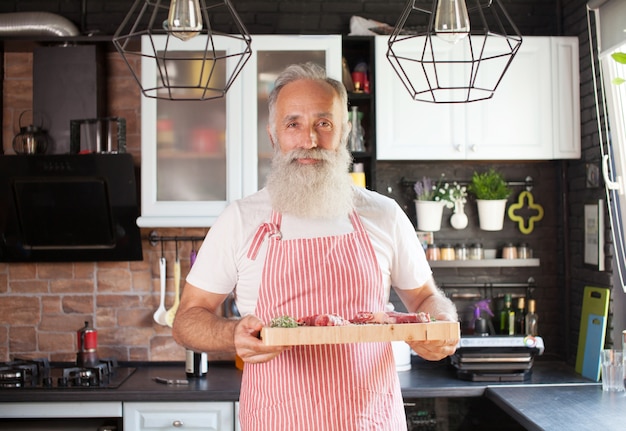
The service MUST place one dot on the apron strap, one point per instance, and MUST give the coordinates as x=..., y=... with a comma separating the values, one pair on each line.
x=270, y=230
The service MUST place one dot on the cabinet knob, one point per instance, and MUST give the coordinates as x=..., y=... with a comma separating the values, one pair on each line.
x=473, y=148
x=459, y=148
x=177, y=424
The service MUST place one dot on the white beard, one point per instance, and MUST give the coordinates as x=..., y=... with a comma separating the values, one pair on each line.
x=320, y=190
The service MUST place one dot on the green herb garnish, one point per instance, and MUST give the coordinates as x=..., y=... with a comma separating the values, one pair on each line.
x=283, y=322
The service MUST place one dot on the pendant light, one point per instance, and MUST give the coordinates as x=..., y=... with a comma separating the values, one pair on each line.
x=178, y=36
x=453, y=53
x=451, y=20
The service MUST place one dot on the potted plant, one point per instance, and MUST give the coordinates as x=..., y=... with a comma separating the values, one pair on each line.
x=430, y=200
x=491, y=192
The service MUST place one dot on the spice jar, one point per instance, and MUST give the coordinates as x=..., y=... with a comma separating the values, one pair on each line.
x=524, y=252
x=432, y=252
x=447, y=252
x=476, y=252
x=461, y=252
x=509, y=251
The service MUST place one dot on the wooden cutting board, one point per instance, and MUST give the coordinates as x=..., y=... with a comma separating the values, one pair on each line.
x=308, y=335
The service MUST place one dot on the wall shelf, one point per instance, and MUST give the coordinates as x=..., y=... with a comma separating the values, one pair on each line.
x=484, y=263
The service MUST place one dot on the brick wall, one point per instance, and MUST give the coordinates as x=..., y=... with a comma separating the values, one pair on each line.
x=41, y=306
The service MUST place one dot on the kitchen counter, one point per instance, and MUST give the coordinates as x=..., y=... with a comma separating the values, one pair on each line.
x=424, y=380
x=552, y=398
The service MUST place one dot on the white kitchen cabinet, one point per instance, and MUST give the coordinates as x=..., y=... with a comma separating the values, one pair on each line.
x=197, y=156
x=533, y=115
x=153, y=416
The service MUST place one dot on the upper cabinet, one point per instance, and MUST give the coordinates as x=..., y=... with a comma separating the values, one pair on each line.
x=197, y=156
x=533, y=115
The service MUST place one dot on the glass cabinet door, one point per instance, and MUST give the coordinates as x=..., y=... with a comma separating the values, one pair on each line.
x=190, y=153
x=197, y=156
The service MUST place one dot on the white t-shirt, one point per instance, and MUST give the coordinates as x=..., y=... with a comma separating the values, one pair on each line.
x=222, y=264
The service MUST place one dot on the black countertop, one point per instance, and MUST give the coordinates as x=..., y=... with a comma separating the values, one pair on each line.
x=554, y=397
x=222, y=383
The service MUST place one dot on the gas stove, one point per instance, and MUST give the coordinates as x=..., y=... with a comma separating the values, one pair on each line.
x=41, y=374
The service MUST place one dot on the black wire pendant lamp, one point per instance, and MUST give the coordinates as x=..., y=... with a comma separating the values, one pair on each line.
x=178, y=36
x=462, y=54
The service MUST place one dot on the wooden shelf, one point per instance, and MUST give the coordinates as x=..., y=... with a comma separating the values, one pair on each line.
x=484, y=263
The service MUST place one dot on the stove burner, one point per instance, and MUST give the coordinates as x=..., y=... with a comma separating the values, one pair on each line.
x=38, y=373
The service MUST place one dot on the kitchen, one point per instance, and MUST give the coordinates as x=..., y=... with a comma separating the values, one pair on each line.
x=44, y=304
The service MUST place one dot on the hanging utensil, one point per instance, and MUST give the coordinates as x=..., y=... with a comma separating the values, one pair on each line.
x=159, y=314
x=171, y=313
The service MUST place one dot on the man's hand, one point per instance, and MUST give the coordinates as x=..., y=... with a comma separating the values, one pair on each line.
x=249, y=346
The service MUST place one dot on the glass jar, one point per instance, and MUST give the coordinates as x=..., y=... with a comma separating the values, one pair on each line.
x=509, y=251
x=432, y=252
x=447, y=252
x=476, y=252
x=461, y=252
x=524, y=252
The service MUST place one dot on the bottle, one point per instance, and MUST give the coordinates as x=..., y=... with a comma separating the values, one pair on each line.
x=356, y=139
x=358, y=175
x=461, y=252
x=520, y=316
x=196, y=364
x=532, y=320
x=507, y=317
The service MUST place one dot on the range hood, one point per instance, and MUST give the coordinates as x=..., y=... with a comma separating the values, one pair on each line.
x=68, y=208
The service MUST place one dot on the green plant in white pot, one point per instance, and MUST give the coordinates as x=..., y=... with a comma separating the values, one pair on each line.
x=491, y=192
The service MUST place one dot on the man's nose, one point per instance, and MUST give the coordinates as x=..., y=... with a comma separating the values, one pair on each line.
x=309, y=140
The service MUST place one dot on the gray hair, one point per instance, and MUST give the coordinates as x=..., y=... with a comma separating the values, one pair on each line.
x=311, y=71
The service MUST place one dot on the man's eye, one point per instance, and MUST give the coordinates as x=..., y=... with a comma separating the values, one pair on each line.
x=325, y=124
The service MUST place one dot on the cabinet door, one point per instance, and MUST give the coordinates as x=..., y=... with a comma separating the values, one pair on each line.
x=271, y=55
x=412, y=130
x=207, y=416
x=190, y=150
x=566, y=97
x=516, y=123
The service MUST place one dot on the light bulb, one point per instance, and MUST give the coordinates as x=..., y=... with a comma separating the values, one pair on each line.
x=184, y=19
x=451, y=20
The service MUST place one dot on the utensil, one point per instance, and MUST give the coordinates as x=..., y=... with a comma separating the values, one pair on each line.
x=171, y=313
x=159, y=314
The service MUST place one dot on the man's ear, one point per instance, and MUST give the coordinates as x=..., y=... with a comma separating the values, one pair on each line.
x=269, y=133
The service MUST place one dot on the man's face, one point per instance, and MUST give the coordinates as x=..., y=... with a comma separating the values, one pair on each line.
x=308, y=115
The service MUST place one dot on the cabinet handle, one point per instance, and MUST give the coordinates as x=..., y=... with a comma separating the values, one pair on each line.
x=473, y=148
x=177, y=424
x=459, y=148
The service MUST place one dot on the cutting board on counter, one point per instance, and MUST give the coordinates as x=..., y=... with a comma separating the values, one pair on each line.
x=592, y=331
x=309, y=335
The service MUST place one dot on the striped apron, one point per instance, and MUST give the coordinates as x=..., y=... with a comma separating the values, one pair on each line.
x=321, y=387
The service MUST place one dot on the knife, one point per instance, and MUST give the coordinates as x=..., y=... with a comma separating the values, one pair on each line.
x=171, y=381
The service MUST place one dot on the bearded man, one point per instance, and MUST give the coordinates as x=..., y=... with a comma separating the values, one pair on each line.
x=310, y=242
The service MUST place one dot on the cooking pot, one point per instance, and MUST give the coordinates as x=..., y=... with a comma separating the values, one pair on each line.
x=87, y=341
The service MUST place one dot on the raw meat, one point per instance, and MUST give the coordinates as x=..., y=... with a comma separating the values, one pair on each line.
x=323, y=320
x=389, y=317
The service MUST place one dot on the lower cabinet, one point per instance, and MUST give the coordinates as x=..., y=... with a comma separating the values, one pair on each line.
x=208, y=416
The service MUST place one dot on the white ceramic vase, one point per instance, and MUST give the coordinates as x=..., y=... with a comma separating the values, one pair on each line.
x=491, y=214
x=429, y=214
x=459, y=218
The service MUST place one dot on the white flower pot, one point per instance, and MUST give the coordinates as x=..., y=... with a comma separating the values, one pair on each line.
x=429, y=215
x=491, y=214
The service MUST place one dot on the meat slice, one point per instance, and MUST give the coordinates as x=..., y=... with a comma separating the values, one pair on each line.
x=323, y=320
x=389, y=317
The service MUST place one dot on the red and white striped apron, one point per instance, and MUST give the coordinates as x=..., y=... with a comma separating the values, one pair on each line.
x=329, y=387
